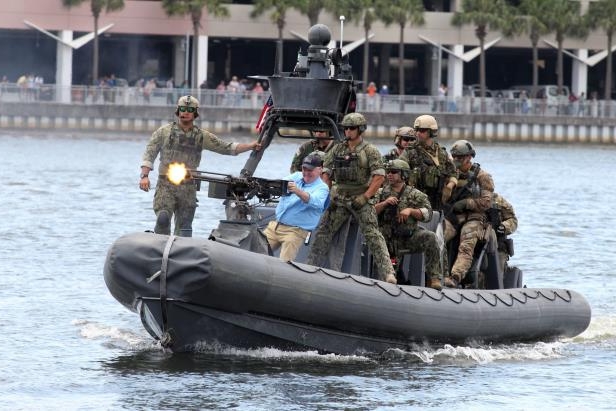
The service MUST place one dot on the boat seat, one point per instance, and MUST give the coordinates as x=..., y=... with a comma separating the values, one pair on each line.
x=411, y=270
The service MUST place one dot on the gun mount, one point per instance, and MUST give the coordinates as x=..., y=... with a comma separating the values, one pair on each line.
x=237, y=191
x=316, y=95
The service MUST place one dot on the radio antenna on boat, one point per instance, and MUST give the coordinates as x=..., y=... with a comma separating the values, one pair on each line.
x=341, y=29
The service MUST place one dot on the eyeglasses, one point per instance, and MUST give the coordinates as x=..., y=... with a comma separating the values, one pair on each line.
x=408, y=138
x=393, y=171
x=187, y=109
x=350, y=127
x=422, y=130
x=459, y=157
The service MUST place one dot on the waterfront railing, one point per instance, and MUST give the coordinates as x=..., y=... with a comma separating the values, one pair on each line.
x=91, y=95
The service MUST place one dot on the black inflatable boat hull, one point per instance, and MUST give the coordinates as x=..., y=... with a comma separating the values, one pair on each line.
x=211, y=293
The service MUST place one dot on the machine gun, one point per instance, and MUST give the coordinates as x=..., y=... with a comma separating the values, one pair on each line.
x=236, y=191
x=228, y=187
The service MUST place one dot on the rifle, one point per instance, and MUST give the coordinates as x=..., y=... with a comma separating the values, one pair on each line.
x=504, y=243
x=461, y=194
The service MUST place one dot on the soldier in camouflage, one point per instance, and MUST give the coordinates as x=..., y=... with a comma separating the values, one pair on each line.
x=469, y=203
x=181, y=142
x=356, y=168
x=402, y=139
x=399, y=207
x=432, y=171
x=323, y=142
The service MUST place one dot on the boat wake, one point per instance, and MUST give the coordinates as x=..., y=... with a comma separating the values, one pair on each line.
x=601, y=330
x=116, y=337
x=447, y=354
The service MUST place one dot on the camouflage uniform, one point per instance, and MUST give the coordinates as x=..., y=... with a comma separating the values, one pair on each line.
x=177, y=146
x=305, y=149
x=352, y=171
x=473, y=220
x=431, y=170
x=407, y=237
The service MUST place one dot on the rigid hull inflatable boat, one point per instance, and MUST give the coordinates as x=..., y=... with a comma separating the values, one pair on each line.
x=229, y=289
x=206, y=292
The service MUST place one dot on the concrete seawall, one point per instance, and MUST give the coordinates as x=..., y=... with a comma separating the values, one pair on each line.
x=145, y=119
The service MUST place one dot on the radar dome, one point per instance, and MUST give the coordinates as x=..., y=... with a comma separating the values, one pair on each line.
x=319, y=35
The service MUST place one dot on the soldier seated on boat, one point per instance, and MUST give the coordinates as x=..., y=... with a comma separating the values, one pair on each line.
x=298, y=213
x=399, y=207
x=465, y=214
x=403, y=137
x=432, y=171
x=356, y=168
x=323, y=142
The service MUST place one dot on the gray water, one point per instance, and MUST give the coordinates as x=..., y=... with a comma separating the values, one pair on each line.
x=67, y=344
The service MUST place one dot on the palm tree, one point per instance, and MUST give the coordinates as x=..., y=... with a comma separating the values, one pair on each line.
x=278, y=17
x=483, y=14
x=564, y=20
x=401, y=12
x=532, y=11
x=312, y=9
x=603, y=14
x=194, y=8
x=97, y=7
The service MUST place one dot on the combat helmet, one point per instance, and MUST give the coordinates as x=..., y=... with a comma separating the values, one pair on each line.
x=354, y=119
x=399, y=165
x=427, y=121
x=404, y=132
x=188, y=101
x=462, y=148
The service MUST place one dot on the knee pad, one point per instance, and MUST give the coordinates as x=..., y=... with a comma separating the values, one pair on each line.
x=163, y=223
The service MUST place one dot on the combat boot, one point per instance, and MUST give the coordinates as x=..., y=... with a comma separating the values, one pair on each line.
x=391, y=279
x=435, y=283
x=451, y=282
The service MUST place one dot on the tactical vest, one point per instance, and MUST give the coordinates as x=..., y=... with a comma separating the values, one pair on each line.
x=426, y=168
x=351, y=171
x=184, y=147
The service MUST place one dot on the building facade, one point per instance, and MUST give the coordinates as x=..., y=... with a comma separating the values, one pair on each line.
x=143, y=42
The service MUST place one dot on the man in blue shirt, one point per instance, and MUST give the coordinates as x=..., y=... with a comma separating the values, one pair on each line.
x=298, y=213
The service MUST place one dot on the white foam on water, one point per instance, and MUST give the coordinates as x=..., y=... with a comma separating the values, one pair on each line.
x=482, y=354
x=121, y=338
x=277, y=354
x=601, y=329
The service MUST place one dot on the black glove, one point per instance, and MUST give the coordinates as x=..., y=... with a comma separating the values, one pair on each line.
x=459, y=206
x=359, y=201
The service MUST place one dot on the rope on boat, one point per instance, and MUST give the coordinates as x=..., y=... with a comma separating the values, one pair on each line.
x=452, y=295
x=166, y=339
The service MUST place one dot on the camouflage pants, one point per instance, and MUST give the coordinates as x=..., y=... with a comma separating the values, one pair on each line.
x=471, y=232
x=421, y=241
x=331, y=221
x=179, y=201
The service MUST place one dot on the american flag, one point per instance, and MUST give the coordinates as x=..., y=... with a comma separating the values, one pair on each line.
x=268, y=104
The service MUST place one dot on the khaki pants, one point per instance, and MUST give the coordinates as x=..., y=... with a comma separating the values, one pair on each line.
x=289, y=239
